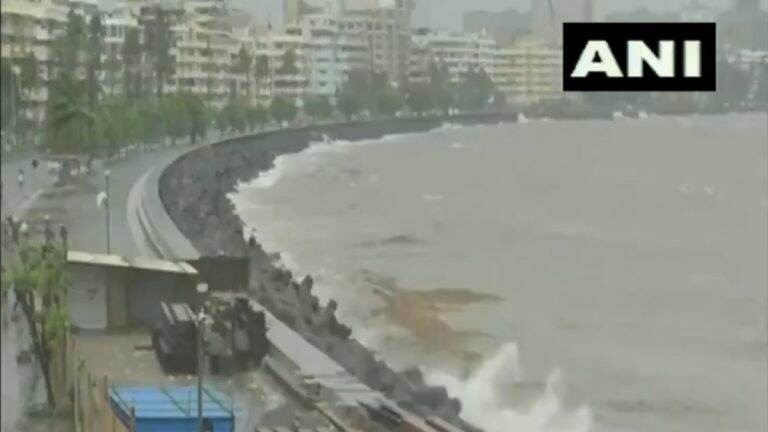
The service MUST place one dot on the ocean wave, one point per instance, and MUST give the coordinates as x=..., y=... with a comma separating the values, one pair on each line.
x=482, y=396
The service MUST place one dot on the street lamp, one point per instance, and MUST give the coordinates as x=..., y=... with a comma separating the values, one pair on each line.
x=106, y=208
x=202, y=289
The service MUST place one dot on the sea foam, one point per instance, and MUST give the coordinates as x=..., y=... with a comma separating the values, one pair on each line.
x=482, y=397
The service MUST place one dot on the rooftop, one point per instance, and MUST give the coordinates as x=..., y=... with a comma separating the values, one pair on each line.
x=171, y=402
x=104, y=260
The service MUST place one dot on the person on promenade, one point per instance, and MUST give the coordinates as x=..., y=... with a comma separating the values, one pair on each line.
x=48, y=233
x=64, y=236
x=14, y=226
x=21, y=179
x=24, y=231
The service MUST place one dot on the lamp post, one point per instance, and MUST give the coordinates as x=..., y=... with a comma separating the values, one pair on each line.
x=106, y=208
x=202, y=289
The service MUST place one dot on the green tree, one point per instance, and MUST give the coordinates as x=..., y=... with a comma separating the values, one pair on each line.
x=348, y=103
x=257, y=116
x=158, y=48
x=131, y=53
x=40, y=282
x=442, y=88
x=388, y=102
x=112, y=69
x=288, y=67
x=499, y=100
x=283, y=110
x=243, y=67
x=176, y=120
x=318, y=107
x=222, y=121
x=93, y=62
x=29, y=72
x=236, y=117
x=198, y=114
x=419, y=99
x=9, y=95
x=68, y=50
x=117, y=125
x=261, y=70
x=475, y=90
x=150, y=120
x=68, y=121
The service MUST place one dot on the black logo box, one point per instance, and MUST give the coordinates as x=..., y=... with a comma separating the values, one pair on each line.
x=576, y=36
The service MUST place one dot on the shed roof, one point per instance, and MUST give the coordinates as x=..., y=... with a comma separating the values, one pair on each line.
x=170, y=402
x=87, y=258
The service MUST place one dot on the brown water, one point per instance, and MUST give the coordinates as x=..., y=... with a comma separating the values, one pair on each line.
x=572, y=276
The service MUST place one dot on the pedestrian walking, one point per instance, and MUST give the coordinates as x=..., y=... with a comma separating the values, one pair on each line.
x=14, y=226
x=24, y=231
x=21, y=179
x=48, y=233
x=64, y=236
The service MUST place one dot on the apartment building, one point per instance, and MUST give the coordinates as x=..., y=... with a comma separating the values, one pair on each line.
x=273, y=47
x=530, y=70
x=117, y=25
x=29, y=28
x=459, y=53
x=385, y=27
x=330, y=53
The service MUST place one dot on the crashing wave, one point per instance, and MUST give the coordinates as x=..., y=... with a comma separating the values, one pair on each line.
x=482, y=395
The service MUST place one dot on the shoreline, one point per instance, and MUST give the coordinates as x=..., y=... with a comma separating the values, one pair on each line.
x=194, y=191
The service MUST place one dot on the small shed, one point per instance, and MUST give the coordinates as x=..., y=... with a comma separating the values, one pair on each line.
x=170, y=409
x=109, y=291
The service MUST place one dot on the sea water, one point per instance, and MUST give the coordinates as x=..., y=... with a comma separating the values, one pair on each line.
x=555, y=276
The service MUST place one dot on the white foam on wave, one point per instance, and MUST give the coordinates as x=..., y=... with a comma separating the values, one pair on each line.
x=432, y=197
x=284, y=163
x=482, y=397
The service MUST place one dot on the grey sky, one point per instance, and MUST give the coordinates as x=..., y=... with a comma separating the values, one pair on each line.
x=448, y=13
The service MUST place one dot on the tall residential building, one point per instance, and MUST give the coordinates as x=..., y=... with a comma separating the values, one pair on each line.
x=530, y=70
x=330, y=53
x=458, y=53
x=29, y=28
x=117, y=25
x=272, y=47
x=294, y=10
x=385, y=26
x=548, y=16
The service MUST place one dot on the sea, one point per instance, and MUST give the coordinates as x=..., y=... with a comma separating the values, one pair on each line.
x=569, y=276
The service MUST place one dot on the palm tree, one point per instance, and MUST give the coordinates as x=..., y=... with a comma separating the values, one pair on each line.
x=261, y=72
x=131, y=63
x=158, y=33
x=69, y=122
x=243, y=67
x=94, y=65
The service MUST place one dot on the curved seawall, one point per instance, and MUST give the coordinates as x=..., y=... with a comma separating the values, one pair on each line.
x=193, y=191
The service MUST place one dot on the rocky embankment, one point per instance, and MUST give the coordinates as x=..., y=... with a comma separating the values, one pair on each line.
x=194, y=191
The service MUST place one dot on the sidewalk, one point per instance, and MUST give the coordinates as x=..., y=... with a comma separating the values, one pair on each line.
x=74, y=207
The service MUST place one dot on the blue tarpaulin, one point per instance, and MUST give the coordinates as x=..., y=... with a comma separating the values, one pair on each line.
x=171, y=409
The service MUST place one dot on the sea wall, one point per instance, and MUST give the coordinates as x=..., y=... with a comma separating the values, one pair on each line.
x=193, y=189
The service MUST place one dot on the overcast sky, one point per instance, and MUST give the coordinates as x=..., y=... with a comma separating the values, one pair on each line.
x=448, y=13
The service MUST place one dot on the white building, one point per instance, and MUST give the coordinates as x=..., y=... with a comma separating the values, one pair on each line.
x=385, y=27
x=330, y=54
x=272, y=48
x=458, y=53
x=530, y=70
x=29, y=28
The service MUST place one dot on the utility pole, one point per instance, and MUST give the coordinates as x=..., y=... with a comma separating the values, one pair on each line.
x=107, y=205
x=202, y=289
